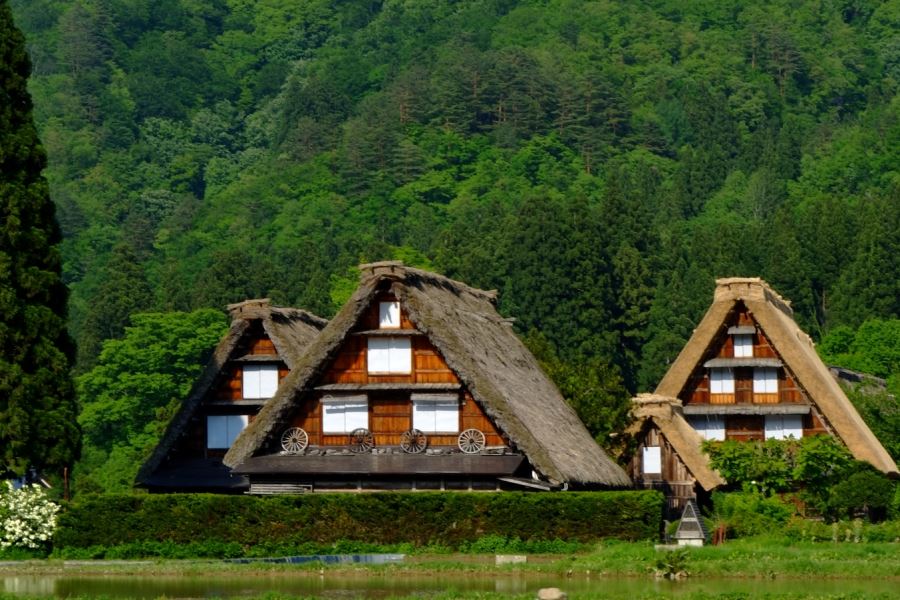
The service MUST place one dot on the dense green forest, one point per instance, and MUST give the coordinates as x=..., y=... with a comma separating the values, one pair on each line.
x=599, y=163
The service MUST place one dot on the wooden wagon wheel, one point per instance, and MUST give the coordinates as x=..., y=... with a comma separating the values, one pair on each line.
x=361, y=440
x=294, y=440
x=471, y=441
x=413, y=441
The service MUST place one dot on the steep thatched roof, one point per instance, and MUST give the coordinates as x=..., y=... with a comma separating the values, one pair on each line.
x=290, y=329
x=484, y=352
x=665, y=413
x=775, y=318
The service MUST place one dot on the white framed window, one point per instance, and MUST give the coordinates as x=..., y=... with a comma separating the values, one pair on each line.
x=436, y=413
x=652, y=460
x=781, y=427
x=344, y=413
x=222, y=430
x=389, y=355
x=721, y=381
x=710, y=427
x=389, y=315
x=765, y=380
x=260, y=381
x=743, y=345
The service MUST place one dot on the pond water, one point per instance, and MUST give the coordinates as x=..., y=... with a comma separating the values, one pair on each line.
x=343, y=586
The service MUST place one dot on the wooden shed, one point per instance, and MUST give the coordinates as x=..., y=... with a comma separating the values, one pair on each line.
x=418, y=383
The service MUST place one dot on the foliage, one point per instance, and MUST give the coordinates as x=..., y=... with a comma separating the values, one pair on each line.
x=27, y=517
x=880, y=409
x=865, y=492
x=37, y=399
x=815, y=463
x=672, y=564
x=874, y=348
x=455, y=520
x=598, y=164
x=750, y=513
x=137, y=385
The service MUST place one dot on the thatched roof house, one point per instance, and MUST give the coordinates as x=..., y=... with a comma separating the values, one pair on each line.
x=261, y=336
x=747, y=373
x=448, y=345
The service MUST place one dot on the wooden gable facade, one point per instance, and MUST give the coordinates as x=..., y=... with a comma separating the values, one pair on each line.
x=748, y=373
x=743, y=390
x=391, y=396
x=244, y=372
x=417, y=384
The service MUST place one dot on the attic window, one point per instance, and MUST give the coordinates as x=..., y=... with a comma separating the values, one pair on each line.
x=436, y=413
x=743, y=345
x=260, y=381
x=344, y=413
x=652, y=460
x=222, y=430
x=390, y=355
x=389, y=315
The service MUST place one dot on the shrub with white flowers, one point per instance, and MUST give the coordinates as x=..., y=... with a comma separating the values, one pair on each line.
x=27, y=516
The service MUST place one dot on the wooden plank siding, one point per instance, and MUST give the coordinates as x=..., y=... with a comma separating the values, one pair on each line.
x=390, y=414
x=390, y=411
x=224, y=396
x=675, y=481
x=697, y=391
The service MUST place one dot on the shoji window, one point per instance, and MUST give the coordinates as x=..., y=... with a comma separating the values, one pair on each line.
x=436, y=413
x=260, y=381
x=781, y=427
x=343, y=414
x=222, y=430
x=743, y=345
x=390, y=355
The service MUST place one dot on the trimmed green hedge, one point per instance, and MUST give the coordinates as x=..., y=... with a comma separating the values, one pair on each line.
x=448, y=519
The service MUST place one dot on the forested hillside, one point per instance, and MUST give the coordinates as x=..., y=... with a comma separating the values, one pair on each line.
x=599, y=163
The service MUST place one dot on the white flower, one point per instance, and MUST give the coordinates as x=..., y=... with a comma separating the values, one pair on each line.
x=27, y=516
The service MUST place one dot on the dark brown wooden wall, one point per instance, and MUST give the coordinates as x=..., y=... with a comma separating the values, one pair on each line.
x=697, y=390
x=390, y=412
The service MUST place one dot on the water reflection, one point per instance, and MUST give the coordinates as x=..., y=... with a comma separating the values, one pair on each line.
x=383, y=586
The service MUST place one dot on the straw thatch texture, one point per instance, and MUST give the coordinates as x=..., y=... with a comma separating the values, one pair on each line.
x=290, y=329
x=665, y=413
x=484, y=352
x=774, y=316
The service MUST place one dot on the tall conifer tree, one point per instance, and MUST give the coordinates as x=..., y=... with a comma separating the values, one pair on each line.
x=37, y=400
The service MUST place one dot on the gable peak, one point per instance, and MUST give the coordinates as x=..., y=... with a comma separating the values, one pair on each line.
x=731, y=289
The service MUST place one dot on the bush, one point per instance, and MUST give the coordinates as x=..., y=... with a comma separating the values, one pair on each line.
x=27, y=517
x=866, y=493
x=214, y=525
x=750, y=513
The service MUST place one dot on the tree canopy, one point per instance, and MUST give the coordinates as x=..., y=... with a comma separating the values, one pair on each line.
x=37, y=399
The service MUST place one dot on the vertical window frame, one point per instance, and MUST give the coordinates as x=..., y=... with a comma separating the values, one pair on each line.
x=389, y=316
